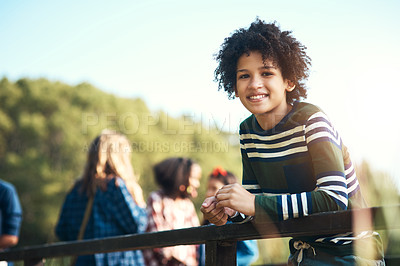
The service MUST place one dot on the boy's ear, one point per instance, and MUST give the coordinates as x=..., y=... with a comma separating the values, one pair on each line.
x=236, y=92
x=291, y=86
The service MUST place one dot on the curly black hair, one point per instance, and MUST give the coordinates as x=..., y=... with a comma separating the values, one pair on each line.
x=280, y=47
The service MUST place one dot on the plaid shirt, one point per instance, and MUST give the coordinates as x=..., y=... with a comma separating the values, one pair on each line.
x=114, y=213
x=169, y=214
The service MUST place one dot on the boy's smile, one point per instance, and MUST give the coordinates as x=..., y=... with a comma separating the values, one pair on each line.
x=262, y=89
x=258, y=97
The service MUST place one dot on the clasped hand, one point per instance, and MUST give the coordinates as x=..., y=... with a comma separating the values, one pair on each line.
x=228, y=200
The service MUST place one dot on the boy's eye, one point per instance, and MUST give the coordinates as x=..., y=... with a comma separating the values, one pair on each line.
x=243, y=76
x=267, y=74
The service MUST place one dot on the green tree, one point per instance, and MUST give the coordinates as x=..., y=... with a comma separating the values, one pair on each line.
x=379, y=189
x=46, y=128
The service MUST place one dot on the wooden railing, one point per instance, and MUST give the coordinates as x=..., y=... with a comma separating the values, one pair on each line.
x=220, y=241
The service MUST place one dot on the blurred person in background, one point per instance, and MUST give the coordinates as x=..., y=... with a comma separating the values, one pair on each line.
x=106, y=201
x=247, y=251
x=10, y=217
x=171, y=208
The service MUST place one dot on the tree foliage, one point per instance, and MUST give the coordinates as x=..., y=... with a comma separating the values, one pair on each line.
x=379, y=189
x=46, y=128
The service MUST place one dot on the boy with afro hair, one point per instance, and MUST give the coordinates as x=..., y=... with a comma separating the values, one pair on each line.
x=294, y=161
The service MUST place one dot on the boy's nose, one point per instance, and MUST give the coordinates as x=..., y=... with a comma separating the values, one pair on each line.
x=256, y=82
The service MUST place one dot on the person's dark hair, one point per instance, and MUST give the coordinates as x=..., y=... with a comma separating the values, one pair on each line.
x=170, y=174
x=223, y=176
x=280, y=47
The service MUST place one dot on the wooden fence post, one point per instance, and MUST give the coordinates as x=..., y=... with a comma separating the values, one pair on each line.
x=221, y=253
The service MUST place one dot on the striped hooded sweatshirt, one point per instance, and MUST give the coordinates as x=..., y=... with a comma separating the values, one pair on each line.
x=298, y=168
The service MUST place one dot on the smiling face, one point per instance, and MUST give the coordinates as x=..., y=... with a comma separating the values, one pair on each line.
x=261, y=87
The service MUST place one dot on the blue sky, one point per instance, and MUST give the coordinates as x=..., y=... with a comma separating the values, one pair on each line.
x=162, y=51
